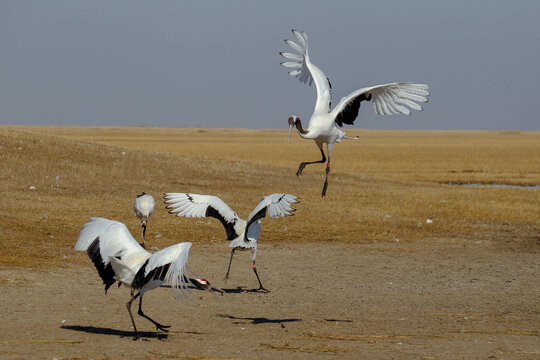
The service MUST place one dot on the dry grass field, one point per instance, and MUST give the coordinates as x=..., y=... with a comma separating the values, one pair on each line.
x=358, y=274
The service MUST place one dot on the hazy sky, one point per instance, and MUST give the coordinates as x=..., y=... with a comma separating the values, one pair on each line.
x=216, y=63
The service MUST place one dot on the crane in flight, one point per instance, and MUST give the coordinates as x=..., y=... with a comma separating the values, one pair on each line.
x=325, y=124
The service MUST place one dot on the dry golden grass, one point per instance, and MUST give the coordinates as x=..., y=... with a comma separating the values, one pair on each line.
x=382, y=188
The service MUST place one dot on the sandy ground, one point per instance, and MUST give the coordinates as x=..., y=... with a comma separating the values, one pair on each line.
x=445, y=299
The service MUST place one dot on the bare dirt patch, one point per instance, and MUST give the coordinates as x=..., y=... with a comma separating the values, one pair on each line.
x=344, y=301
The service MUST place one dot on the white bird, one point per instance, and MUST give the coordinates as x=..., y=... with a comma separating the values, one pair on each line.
x=118, y=257
x=242, y=234
x=324, y=124
x=144, y=207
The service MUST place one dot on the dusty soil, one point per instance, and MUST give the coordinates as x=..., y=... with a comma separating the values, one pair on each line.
x=444, y=299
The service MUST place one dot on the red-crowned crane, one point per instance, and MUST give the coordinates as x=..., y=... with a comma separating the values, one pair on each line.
x=144, y=207
x=324, y=124
x=118, y=257
x=242, y=234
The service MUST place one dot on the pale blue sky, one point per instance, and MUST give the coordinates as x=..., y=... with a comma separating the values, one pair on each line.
x=216, y=63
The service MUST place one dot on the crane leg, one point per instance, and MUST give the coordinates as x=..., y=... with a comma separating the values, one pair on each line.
x=325, y=186
x=229, y=268
x=158, y=325
x=261, y=287
x=143, y=236
x=128, y=305
x=329, y=148
x=303, y=165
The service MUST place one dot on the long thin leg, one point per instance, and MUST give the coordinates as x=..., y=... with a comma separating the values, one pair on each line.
x=325, y=186
x=303, y=165
x=158, y=325
x=128, y=305
x=261, y=287
x=143, y=236
x=229, y=268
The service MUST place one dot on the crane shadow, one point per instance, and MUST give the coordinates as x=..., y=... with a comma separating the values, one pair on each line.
x=115, y=332
x=258, y=320
x=242, y=289
x=236, y=290
x=212, y=289
x=338, y=320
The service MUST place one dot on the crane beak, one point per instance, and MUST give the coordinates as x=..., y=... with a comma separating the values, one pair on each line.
x=216, y=291
x=203, y=284
x=290, y=131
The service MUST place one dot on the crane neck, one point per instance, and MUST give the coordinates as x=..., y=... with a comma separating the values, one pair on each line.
x=301, y=130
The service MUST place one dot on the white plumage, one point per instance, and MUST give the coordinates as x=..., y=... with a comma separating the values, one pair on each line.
x=324, y=124
x=144, y=207
x=118, y=257
x=242, y=234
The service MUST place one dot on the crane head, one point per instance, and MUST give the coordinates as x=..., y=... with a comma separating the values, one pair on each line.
x=204, y=284
x=292, y=123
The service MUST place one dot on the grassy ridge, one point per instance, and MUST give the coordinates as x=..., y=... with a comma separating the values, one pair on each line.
x=382, y=188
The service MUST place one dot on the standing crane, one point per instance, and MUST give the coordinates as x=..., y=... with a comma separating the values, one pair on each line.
x=242, y=234
x=325, y=124
x=117, y=256
x=144, y=207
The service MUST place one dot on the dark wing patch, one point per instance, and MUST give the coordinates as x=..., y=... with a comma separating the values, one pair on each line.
x=259, y=215
x=229, y=226
x=350, y=112
x=158, y=273
x=330, y=86
x=106, y=272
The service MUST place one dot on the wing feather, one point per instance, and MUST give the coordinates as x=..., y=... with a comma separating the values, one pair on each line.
x=291, y=64
x=195, y=205
x=295, y=46
x=388, y=99
x=102, y=239
x=385, y=105
x=307, y=72
x=295, y=72
x=302, y=37
x=277, y=205
x=291, y=56
x=114, y=238
x=410, y=104
x=166, y=265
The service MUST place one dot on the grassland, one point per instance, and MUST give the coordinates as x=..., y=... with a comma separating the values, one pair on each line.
x=360, y=274
x=382, y=188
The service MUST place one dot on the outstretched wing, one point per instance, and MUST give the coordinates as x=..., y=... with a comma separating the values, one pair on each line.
x=306, y=72
x=195, y=205
x=101, y=239
x=278, y=205
x=388, y=99
x=169, y=264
